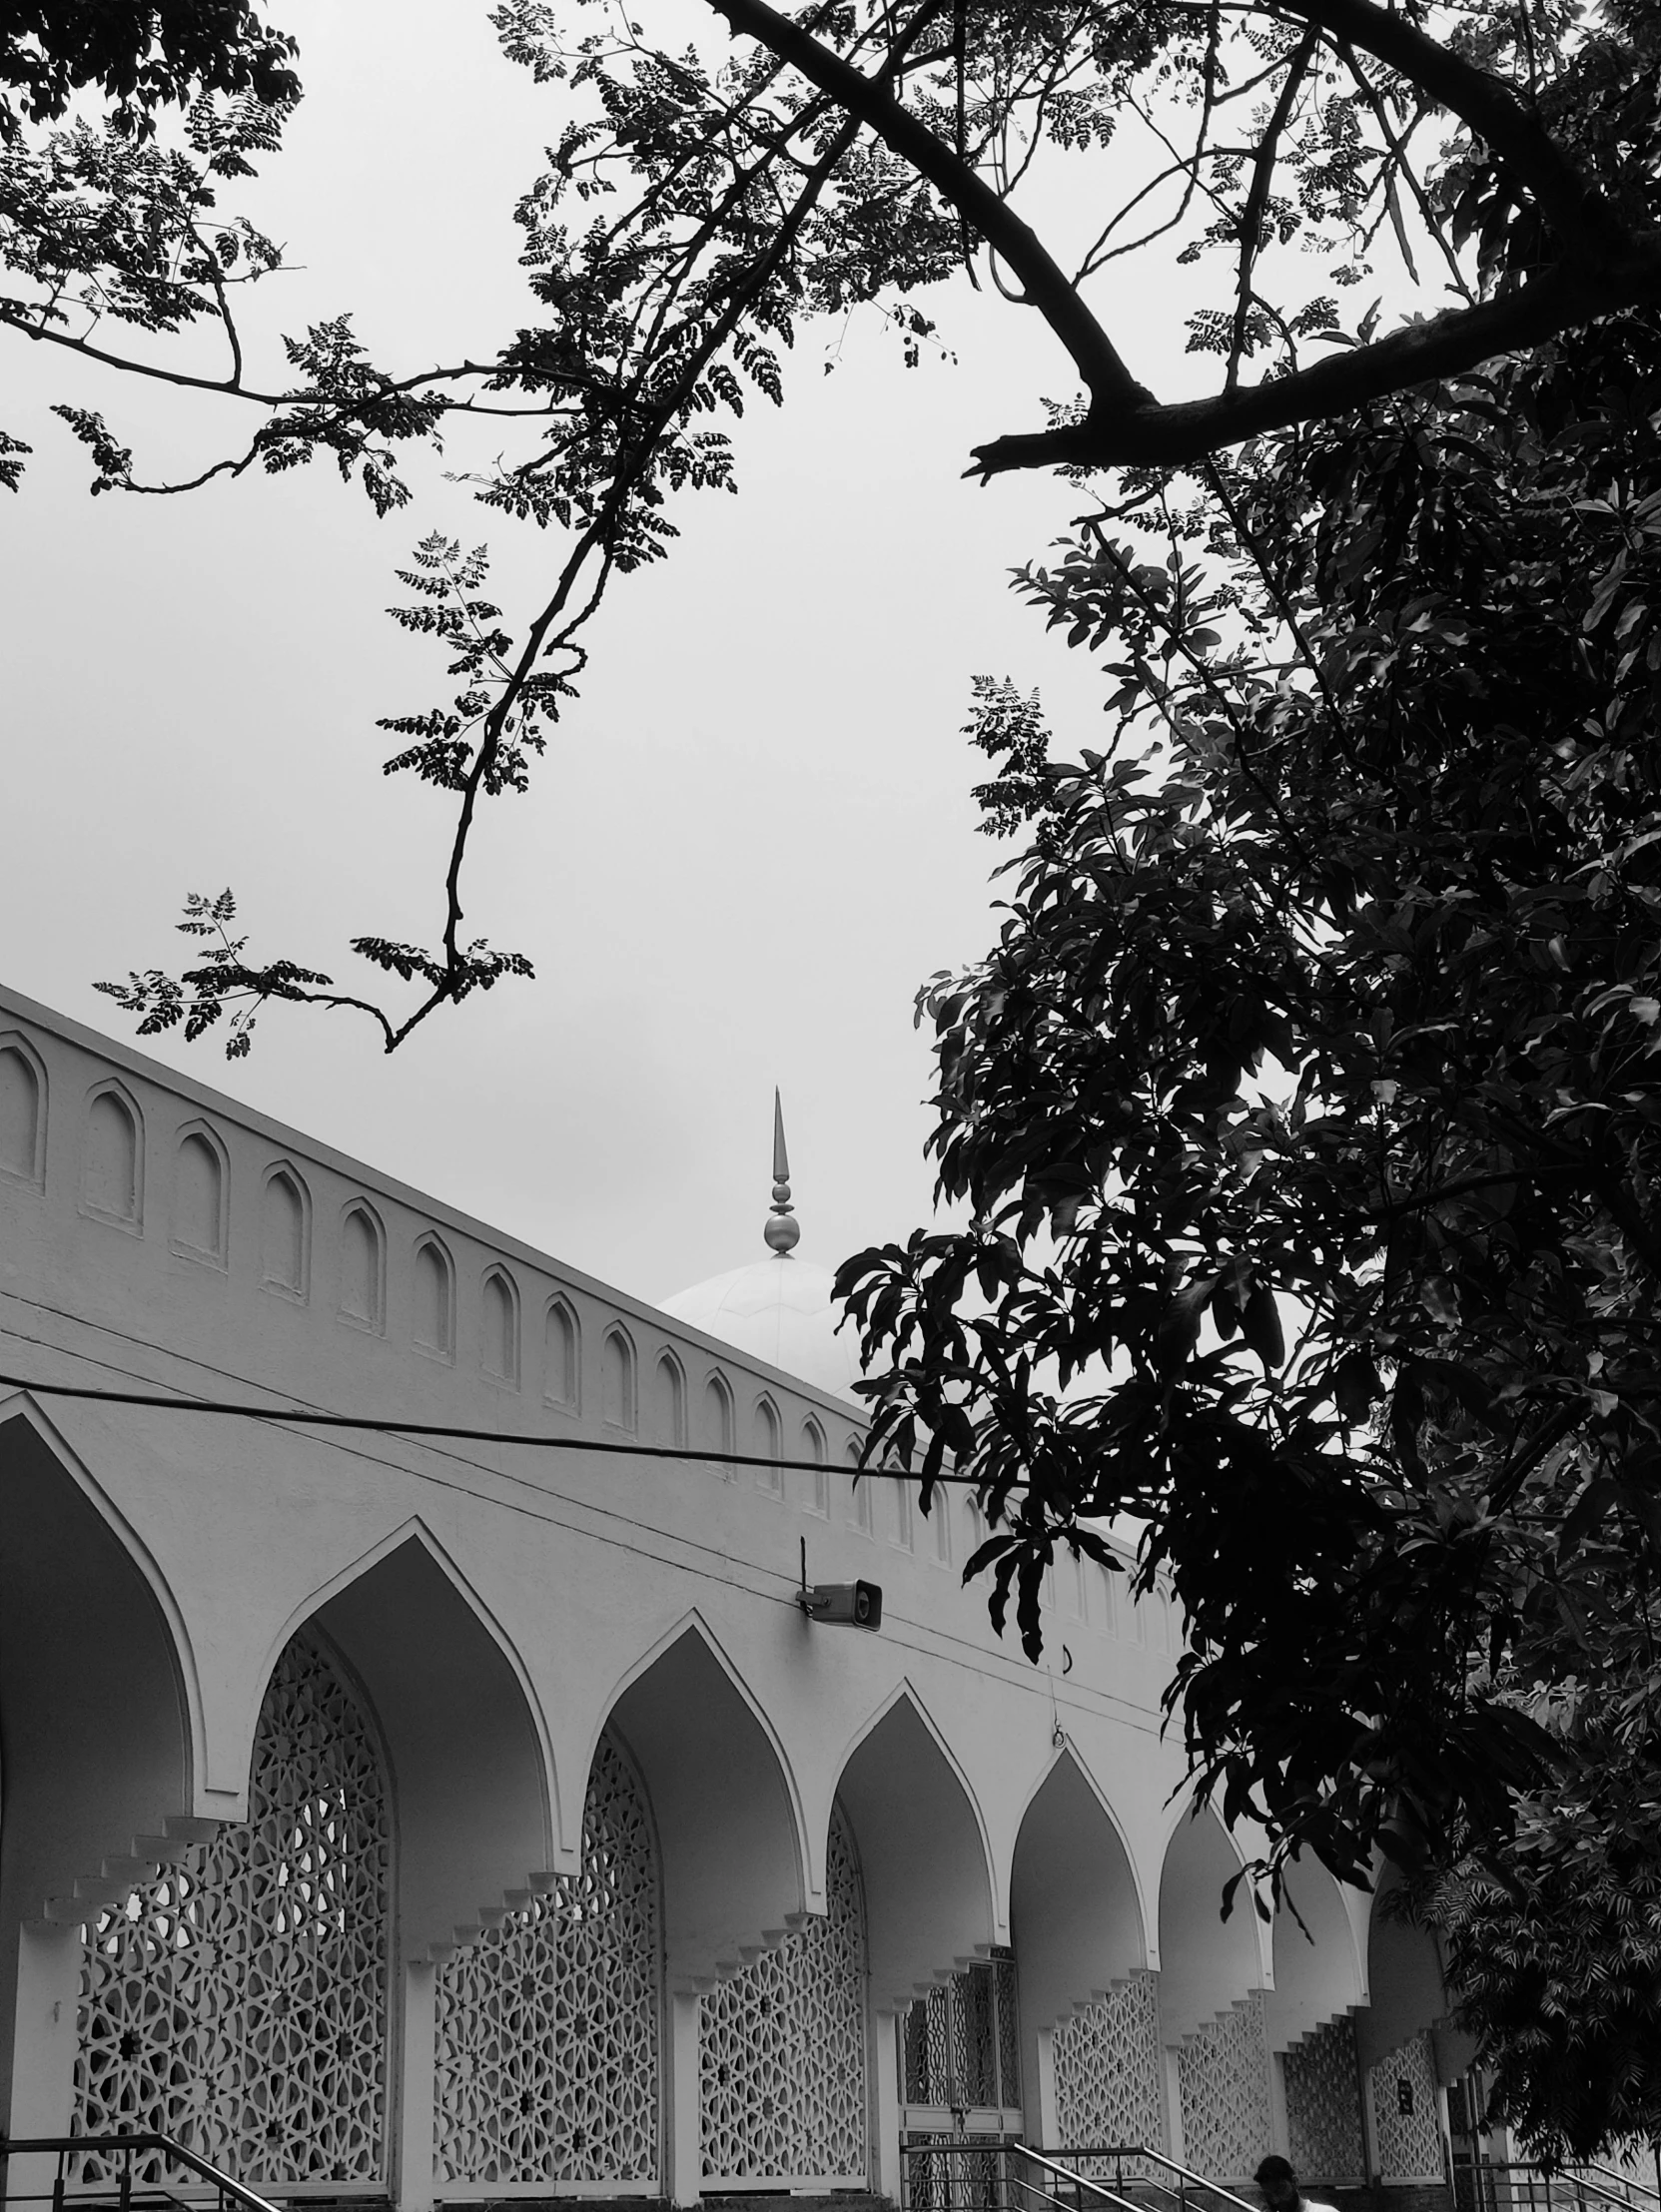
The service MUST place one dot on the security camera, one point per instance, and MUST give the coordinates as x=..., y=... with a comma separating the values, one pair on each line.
x=843, y=1604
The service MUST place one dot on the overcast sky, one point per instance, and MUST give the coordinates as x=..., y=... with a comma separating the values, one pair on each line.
x=749, y=843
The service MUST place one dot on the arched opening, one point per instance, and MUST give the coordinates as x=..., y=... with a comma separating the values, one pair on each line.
x=726, y=1821
x=548, y=2029
x=95, y=1719
x=1398, y=2048
x=927, y=1881
x=1211, y=2004
x=1312, y=2029
x=1092, y=2061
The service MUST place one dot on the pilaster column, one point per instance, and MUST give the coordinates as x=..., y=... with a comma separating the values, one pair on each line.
x=417, y=2086
x=683, y=2130
x=885, y=2103
x=43, y=2049
x=1048, y=2124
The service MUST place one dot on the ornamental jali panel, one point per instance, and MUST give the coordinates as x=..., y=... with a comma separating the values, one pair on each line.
x=239, y=2002
x=548, y=2026
x=1406, y=2121
x=1109, y=2070
x=1323, y=2104
x=1223, y=2079
x=781, y=2049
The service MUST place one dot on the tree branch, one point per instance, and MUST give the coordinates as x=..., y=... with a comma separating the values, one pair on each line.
x=1423, y=353
x=1046, y=285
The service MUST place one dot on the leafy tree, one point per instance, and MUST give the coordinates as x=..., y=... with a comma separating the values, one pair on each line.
x=1303, y=1115
x=697, y=205
x=1306, y=1120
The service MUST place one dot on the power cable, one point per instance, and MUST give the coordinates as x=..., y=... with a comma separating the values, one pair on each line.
x=384, y=1427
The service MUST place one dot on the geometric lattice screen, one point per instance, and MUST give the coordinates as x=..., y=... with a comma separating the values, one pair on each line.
x=1223, y=2079
x=239, y=2002
x=1407, y=2122
x=1323, y=2104
x=1109, y=2070
x=960, y=2046
x=781, y=2049
x=548, y=2026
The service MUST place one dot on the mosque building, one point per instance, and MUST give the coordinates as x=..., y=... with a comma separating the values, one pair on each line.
x=455, y=1802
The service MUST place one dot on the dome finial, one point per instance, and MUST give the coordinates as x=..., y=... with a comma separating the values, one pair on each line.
x=783, y=1230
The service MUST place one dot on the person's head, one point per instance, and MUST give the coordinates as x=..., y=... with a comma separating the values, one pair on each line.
x=1279, y=2184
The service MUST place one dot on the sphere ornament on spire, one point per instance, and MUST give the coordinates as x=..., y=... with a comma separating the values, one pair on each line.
x=783, y=1230
x=786, y=1315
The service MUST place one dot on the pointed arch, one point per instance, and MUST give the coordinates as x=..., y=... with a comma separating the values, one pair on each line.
x=200, y=1215
x=668, y=1400
x=725, y=1799
x=563, y=1355
x=1072, y=1849
x=113, y=1157
x=285, y=1231
x=717, y=1419
x=477, y=1791
x=100, y=1693
x=361, y=1302
x=931, y=1886
x=499, y=1329
x=432, y=1323
x=768, y=1442
x=1207, y=1963
x=618, y=1406
x=23, y=1111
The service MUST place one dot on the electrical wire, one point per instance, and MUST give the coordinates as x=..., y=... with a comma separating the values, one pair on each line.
x=382, y=1427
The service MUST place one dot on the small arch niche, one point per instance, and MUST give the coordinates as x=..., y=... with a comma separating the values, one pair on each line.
x=111, y=1183
x=199, y=1192
x=717, y=1419
x=940, y=1517
x=668, y=1415
x=813, y=1448
x=561, y=1357
x=768, y=1444
x=435, y=1287
x=617, y=1380
x=363, y=1276
x=859, y=1507
x=500, y=1328
x=285, y=1239
x=22, y=1113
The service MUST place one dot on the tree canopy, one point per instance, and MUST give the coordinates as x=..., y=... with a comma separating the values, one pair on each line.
x=708, y=189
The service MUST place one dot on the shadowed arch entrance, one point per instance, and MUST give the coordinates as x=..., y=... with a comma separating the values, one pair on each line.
x=1212, y=2005
x=1091, y=2054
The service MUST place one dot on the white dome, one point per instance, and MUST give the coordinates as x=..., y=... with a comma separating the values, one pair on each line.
x=778, y=1309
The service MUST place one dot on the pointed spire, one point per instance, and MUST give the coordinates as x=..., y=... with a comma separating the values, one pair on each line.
x=783, y=1230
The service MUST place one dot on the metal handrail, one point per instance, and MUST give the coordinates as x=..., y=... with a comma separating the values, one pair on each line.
x=1141, y=2150
x=129, y=2147
x=1623, y=2182
x=1078, y=2183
